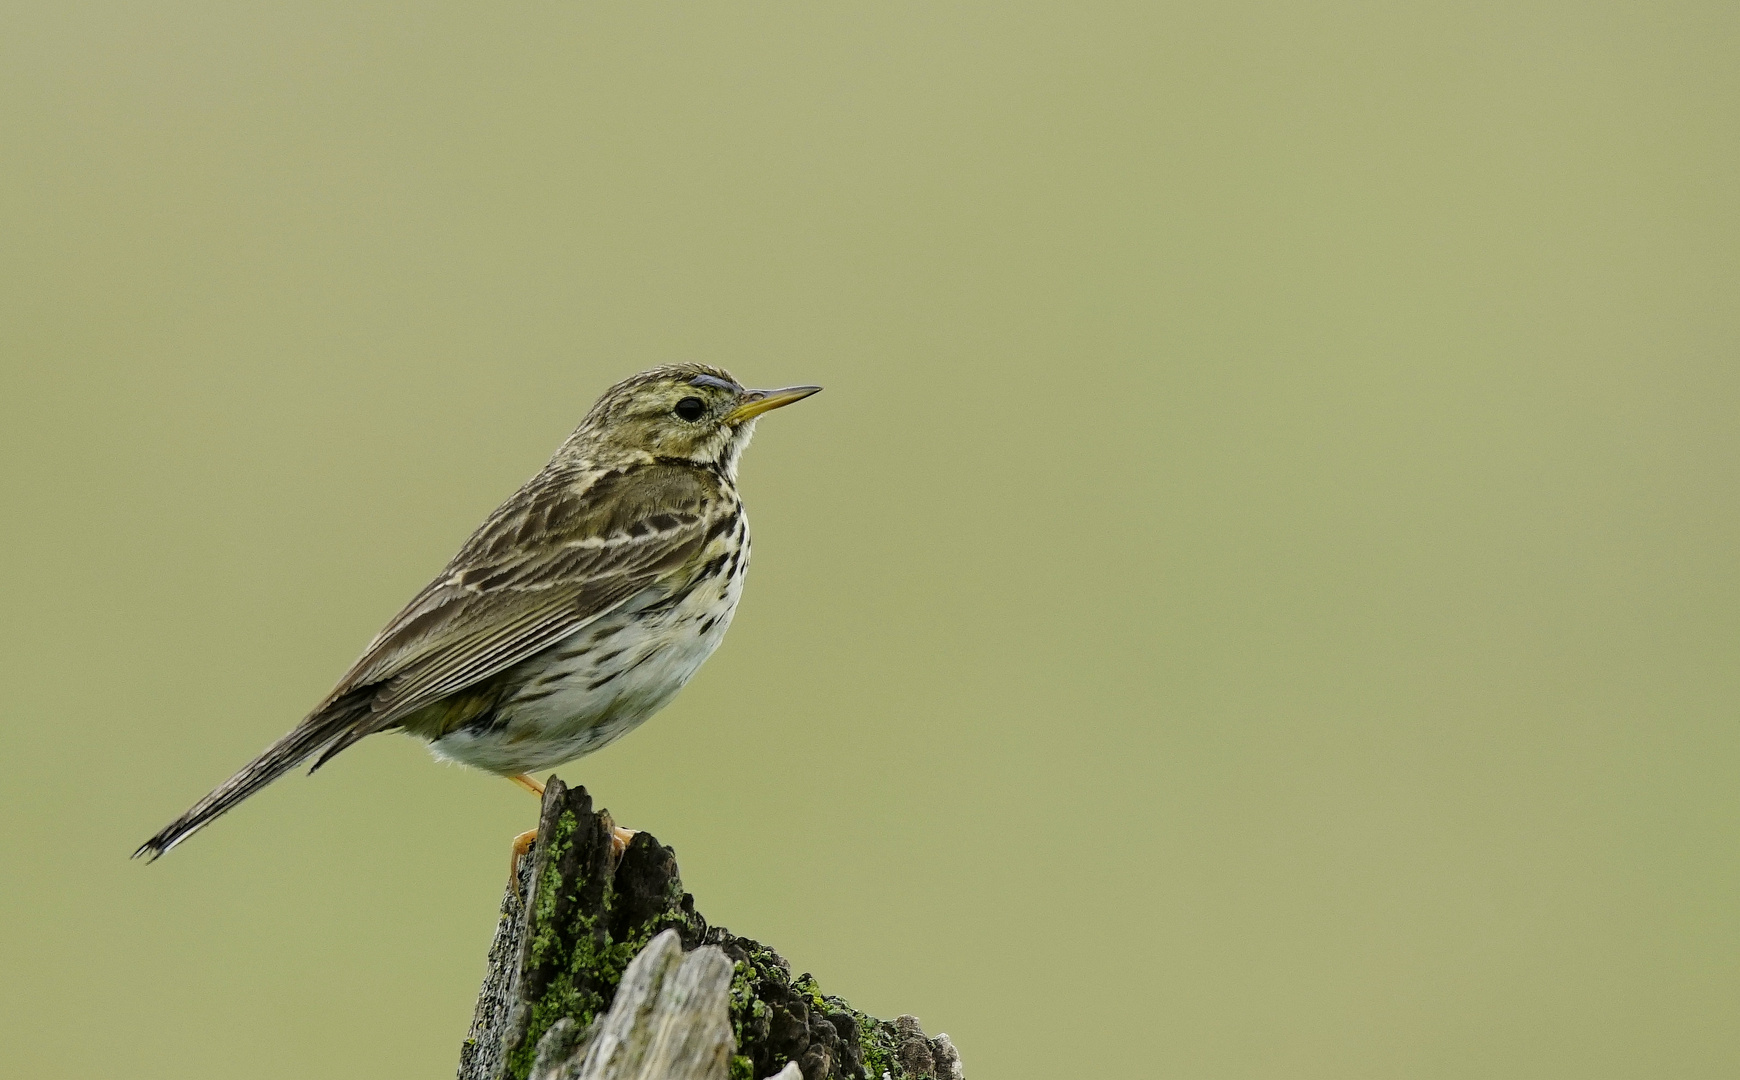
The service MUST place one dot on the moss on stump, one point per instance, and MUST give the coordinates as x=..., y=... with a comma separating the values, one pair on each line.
x=592, y=912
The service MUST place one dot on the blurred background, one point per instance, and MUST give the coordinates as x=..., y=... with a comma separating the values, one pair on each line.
x=1257, y=598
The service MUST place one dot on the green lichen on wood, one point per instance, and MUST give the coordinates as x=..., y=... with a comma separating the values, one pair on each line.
x=592, y=912
x=590, y=915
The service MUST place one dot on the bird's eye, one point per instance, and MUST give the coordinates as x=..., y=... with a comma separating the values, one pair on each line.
x=691, y=409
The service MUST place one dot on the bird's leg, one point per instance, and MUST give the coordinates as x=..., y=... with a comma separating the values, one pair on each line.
x=522, y=844
x=619, y=836
x=524, y=841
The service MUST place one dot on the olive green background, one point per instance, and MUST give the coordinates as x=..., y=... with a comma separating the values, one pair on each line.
x=1256, y=599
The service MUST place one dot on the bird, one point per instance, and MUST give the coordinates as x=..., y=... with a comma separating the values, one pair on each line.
x=576, y=611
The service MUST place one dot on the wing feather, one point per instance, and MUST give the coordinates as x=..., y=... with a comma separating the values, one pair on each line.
x=516, y=590
x=485, y=615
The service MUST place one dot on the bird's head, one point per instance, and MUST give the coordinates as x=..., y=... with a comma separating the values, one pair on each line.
x=690, y=412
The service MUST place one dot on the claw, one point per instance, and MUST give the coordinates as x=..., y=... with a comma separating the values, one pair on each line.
x=522, y=844
x=619, y=840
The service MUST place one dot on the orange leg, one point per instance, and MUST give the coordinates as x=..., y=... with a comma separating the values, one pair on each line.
x=619, y=836
x=524, y=841
x=522, y=844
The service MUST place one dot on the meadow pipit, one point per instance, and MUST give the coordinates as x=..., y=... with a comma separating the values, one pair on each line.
x=576, y=611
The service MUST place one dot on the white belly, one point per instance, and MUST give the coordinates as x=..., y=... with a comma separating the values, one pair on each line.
x=601, y=683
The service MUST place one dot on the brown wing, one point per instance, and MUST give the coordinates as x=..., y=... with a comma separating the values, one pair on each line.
x=545, y=565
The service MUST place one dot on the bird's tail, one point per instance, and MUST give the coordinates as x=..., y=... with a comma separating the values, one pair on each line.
x=320, y=729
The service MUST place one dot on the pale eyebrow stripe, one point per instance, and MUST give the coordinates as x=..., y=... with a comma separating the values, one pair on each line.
x=715, y=381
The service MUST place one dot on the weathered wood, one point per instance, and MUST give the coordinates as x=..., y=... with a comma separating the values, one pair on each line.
x=480, y=1057
x=551, y=1006
x=668, y=1022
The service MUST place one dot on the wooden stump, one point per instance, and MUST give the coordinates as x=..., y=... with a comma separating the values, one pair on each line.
x=610, y=972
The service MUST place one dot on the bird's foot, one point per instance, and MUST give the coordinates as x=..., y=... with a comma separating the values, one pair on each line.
x=522, y=844
x=532, y=785
x=619, y=840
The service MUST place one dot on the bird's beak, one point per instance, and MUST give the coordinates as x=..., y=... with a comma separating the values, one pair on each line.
x=756, y=402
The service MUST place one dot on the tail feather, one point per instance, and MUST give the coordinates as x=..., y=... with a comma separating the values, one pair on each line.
x=307, y=738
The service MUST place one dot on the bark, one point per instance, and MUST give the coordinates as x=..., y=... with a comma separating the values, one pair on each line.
x=610, y=972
